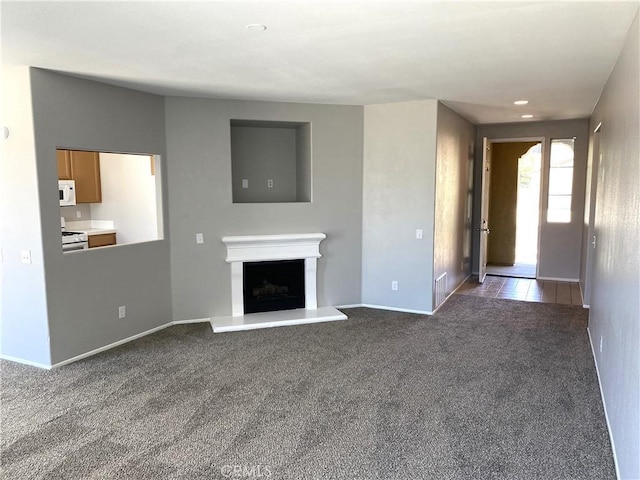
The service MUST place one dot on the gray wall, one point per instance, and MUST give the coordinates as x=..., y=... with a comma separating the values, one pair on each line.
x=24, y=331
x=303, y=163
x=453, y=208
x=399, y=196
x=615, y=305
x=200, y=200
x=560, y=243
x=260, y=154
x=85, y=289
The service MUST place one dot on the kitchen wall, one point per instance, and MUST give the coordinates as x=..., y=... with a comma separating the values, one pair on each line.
x=70, y=214
x=24, y=329
x=614, y=316
x=85, y=289
x=453, y=203
x=560, y=243
x=129, y=197
x=399, y=196
x=200, y=199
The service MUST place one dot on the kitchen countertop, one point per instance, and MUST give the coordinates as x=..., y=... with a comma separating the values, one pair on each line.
x=97, y=231
x=91, y=227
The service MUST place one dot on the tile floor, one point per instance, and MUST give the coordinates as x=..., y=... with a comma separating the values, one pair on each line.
x=526, y=289
x=519, y=270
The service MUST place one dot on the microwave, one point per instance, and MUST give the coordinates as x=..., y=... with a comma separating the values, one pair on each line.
x=67, y=192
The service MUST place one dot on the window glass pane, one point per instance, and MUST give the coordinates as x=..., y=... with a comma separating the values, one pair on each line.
x=562, y=153
x=560, y=181
x=558, y=216
x=560, y=202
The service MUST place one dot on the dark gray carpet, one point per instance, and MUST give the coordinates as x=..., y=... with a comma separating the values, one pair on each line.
x=485, y=389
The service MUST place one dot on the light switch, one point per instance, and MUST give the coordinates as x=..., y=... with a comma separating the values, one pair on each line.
x=245, y=183
x=419, y=234
x=199, y=238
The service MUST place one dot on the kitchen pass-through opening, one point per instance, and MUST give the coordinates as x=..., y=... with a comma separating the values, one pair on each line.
x=273, y=285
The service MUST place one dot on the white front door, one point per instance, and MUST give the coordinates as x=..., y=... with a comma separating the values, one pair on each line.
x=483, y=228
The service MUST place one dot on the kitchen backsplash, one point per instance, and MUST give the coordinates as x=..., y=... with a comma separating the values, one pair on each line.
x=70, y=213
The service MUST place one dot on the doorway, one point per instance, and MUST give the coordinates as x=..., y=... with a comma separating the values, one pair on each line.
x=514, y=208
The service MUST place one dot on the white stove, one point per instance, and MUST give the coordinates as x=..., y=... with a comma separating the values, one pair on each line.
x=72, y=241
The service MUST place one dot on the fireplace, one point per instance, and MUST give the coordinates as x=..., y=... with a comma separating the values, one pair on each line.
x=282, y=301
x=273, y=286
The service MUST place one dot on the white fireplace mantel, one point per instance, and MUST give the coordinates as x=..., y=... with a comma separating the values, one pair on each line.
x=262, y=248
x=257, y=248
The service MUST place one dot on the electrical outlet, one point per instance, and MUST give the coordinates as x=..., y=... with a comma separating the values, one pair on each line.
x=199, y=238
x=419, y=234
x=269, y=183
x=25, y=256
x=245, y=183
x=394, y=285
x=122, y=311
x=78, y=214
x=600, y=343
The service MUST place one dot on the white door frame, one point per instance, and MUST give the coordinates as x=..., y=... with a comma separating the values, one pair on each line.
x=543, y=168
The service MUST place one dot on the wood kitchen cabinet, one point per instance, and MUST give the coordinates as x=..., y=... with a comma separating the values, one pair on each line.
x=84, y=168
x=64, y=164
x=102, y=240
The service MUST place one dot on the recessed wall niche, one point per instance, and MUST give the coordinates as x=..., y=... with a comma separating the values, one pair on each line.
x=270, y=161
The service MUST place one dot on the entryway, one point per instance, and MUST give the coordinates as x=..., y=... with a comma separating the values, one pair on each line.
x=523, y=289
x=514, y=200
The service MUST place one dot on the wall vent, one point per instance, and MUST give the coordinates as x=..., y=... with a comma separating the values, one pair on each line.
x=441, y=289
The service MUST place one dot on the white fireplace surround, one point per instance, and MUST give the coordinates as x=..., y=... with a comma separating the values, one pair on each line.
x=260, y=248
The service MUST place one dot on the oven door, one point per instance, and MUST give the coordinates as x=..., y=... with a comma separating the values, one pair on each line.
x=72, y=247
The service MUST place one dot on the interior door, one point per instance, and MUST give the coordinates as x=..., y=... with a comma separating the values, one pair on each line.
x=483, y=228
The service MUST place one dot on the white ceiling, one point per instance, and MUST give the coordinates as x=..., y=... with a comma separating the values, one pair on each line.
x=478, y=57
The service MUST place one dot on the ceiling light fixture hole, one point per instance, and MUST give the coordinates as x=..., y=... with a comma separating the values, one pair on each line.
x=256, y=27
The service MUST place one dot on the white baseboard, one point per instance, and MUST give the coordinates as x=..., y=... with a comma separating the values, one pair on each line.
x=604, y=404
x=111, y=345
x=195, y=320
x=396, y=309
x=408, y=310
x=25, y=362
x=106, y=347
x=558, y=279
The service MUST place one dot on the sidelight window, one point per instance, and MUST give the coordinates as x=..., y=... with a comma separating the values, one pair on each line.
x=560, y=181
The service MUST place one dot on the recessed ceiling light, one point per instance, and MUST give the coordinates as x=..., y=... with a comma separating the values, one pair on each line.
x=527, y=115
x=521, y=102
x=256, y=27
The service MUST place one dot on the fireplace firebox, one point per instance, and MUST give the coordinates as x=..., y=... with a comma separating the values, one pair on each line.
x=273, y=285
